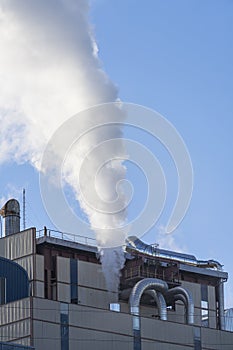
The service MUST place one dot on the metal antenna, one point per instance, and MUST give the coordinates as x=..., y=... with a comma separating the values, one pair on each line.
x=24, y=210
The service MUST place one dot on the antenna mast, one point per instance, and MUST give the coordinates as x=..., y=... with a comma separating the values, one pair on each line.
x=24, y=210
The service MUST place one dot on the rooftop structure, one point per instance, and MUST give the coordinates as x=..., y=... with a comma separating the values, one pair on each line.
x=166, y=300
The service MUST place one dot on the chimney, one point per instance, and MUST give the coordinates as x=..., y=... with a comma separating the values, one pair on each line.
x=11, y=214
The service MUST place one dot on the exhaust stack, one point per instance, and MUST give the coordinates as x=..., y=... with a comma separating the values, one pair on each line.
x=11, y=214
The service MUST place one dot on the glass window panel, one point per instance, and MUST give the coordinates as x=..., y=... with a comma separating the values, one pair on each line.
x=204, y=304
x=115, y=307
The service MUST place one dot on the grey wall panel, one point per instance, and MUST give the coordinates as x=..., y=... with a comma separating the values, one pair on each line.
x=211, y=298
x=63, y=292
x=63, y=269
x=177, y=315
x=39, y=289
x=39, y=273
x=166, y=331
x=100, y=319
x=83, y=339
x=90, y=275
x=195, y=290
x=151, y=345
x=18, y=245
x=46, y=336
x=96, y=298
x=46, y=310
x=216, y=340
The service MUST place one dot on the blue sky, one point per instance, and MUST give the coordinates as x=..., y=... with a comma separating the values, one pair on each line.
x=175, y=57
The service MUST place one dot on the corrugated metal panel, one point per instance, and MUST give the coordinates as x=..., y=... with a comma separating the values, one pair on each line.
x=27, y=264
x=15, y=330
x=18, y=245
x=15, y=311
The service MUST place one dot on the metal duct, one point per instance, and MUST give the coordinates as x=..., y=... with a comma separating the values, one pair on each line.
x=220, y=292
x=160, y=302
x=11, y=214
x=157, y=297
x=180, y=293
x=134, y=301
x=135, y=244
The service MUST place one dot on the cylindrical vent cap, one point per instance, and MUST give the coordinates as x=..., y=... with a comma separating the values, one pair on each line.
x=11, y=213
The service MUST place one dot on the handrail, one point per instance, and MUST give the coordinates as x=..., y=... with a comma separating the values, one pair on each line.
x=66, y=236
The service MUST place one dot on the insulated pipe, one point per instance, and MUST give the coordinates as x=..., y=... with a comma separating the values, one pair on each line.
x=135, y=244
x=156, y=296
x=180, y=293
x=134, y=302
x=221, y=305
x=160, y=302
x=182, y=298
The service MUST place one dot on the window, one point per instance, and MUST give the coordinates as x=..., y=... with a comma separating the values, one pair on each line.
x=115, y=307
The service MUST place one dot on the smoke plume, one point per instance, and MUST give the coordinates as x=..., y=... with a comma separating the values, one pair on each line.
x=49, y=71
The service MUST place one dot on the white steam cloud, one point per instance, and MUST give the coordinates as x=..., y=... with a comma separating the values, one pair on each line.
x=49, y=71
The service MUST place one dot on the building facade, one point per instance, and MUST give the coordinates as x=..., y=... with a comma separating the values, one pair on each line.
x=53, y=295
x=166, y=300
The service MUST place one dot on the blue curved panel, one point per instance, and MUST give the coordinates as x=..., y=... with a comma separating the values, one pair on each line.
x=16, y=280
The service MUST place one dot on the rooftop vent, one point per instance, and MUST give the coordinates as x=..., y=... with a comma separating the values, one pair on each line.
x=11, y=214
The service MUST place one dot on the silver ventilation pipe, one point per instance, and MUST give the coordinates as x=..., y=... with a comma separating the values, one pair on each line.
x=157, y=297
x=181, y=298
x=135, y=244
x=134, y=301
x=11, y=214
x=160, y=302
x=221, y=316
x=180, y=293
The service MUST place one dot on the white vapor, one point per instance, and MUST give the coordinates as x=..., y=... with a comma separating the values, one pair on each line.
x=49, y=71
x=167, y=241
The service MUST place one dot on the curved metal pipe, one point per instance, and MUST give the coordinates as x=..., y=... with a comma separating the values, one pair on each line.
x=182, y=298
x=134, y=301
x=180, y=293
x=156, y=296
x=160, y=302
x=135, y=244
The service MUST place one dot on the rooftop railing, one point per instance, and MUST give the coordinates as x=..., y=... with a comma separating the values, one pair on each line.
x=66, y=236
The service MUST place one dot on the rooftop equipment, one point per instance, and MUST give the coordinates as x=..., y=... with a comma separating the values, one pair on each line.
x=11, y=214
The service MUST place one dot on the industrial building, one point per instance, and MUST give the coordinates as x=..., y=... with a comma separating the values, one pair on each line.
x=54, y=296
